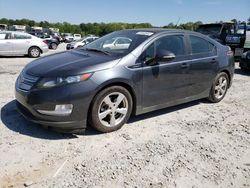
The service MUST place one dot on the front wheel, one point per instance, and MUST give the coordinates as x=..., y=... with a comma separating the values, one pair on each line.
x=34, y=52
x=219, y=88
x=111, y=109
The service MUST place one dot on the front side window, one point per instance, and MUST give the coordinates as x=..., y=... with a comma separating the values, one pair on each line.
x=201, y=46
x=173, y=44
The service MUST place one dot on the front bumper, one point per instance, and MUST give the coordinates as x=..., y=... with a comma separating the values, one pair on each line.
x=79, y=95
x=62, y=126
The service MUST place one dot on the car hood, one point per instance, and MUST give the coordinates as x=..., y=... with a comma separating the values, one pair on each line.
x=71, y=62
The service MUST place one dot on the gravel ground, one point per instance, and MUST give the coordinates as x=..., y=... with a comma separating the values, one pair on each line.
x=197, y=144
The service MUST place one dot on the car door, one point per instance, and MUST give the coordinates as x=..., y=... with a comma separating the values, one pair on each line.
x=204, y=65
x=6, y=45
x=165, y=82
x=21, y=43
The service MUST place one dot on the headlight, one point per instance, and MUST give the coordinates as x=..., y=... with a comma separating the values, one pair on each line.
x=57, y=81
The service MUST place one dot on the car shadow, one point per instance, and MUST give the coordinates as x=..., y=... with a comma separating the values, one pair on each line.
x=14, y=121
x=165, y=111
x=17, y=123
x=242, y=72
x=13, y=57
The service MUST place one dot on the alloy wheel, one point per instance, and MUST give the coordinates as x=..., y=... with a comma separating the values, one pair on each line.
x=220, y=87
x=113, y=109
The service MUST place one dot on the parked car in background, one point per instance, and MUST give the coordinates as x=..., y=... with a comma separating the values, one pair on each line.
x=3, y=27
x=160, y=68
x=217, y=31
x=245, y=61
x=68, y=37
x=117, y=43
x=58, y=37
x=51, y=41
x=20, y=43
x=227, y=33
x=80, y=43
x=77, y=37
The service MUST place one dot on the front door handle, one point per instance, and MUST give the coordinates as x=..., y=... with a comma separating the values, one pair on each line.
x=213, y=61
x=184, y=65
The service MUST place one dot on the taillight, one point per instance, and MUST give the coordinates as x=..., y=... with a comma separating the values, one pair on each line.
x=230, y=53
x=45, y=41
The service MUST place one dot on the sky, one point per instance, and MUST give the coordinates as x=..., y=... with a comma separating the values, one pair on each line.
x=156, y=12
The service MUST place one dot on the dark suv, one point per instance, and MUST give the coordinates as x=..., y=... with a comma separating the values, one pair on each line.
x=104, y=86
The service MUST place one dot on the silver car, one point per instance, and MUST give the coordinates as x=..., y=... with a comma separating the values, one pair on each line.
x=81, y=42
x=19, y=43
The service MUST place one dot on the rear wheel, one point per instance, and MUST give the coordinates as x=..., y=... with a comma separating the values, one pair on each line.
x=111, y=109
x=53, y=46
x=34, y=52
x=219, y=87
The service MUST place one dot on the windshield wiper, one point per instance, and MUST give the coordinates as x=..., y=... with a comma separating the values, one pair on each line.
x=97, y=50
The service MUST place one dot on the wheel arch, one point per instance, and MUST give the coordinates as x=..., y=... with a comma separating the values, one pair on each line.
x=36, y=47
x=229, y=76
x=116, y=83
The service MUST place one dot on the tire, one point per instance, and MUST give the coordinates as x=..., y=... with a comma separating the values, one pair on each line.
x=34, y=52
x=107, y=114
x=53, y=46
x=219, y=88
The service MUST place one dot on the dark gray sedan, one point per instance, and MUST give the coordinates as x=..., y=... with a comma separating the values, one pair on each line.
x=104, y=86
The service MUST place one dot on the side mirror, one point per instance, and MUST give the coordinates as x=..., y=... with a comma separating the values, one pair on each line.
x=164, y=55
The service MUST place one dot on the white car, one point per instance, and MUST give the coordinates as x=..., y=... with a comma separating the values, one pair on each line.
x=118, y=43
x=77, y=37
x=68, y=37
x=80, y=43
x=19, y=43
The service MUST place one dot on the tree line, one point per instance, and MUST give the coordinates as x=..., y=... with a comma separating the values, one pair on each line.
x=96, y=28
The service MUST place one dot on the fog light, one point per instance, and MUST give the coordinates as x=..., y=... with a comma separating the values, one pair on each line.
x=60, y=110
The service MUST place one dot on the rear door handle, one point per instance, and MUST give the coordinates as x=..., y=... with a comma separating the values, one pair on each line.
x=184, y=65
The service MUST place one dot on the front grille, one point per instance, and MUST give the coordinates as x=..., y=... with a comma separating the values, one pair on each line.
x=26, y=81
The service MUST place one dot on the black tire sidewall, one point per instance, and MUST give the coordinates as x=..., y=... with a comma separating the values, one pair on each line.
x=55, y=46
x=30, y=55
x=212, y=97
x=94, y=119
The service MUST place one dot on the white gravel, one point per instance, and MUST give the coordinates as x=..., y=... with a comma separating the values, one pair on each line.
x=198, y=144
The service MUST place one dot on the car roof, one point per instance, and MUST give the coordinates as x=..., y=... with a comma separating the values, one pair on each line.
x=17, y=32
x=163, y=30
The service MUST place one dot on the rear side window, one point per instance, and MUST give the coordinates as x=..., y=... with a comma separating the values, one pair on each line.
x=5, y=36
x=201, y=46
x=21, y=36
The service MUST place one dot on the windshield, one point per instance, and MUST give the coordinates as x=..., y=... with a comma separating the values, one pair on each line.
x=209, y=29
x=119, y=43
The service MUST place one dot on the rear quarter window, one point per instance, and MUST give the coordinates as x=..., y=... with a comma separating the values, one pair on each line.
x=202, y=46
